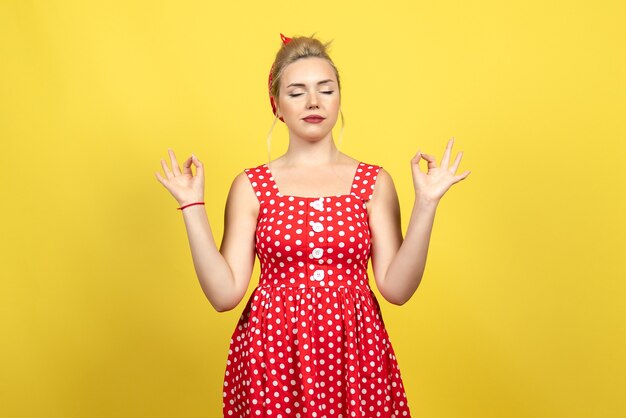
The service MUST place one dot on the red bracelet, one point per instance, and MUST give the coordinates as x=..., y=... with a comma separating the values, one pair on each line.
x=191, y=204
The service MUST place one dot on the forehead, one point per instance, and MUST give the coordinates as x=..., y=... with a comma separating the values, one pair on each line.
x=307, y=70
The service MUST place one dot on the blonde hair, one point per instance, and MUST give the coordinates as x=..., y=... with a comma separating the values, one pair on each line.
x=299, y=47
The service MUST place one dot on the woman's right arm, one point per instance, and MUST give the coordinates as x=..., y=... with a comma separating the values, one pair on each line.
x=224, y=274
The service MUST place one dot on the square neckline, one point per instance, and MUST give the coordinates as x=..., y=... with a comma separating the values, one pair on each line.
x=279, y=194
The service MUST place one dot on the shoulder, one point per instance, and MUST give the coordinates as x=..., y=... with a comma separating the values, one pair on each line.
x=384, y=192
x=242, y=180
x=242, y=193
x=383, y=178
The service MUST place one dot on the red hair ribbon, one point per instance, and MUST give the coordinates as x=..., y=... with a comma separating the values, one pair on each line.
x=285, y=40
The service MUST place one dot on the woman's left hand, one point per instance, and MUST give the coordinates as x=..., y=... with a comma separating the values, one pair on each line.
x=433, y=184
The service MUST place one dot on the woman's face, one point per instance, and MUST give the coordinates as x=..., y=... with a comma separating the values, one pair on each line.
x=308, y=87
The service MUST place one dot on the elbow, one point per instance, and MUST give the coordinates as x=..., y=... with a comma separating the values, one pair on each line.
x=221, y=301
x=223, y=308
x=399, y=297
x=393, y=298
x=396, y=301
x=225, y=305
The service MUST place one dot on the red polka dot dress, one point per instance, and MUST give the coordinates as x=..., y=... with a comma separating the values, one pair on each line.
x=311, y=341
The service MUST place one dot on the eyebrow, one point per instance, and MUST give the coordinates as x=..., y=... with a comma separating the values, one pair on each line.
x=302, y=85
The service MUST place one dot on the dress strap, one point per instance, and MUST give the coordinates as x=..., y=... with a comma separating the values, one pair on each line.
x=365, y=180
x=262, y=182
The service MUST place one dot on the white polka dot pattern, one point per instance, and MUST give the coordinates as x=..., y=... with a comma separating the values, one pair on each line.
x=311, y=341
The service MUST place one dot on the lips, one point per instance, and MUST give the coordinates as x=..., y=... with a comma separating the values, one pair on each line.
x=314, y=118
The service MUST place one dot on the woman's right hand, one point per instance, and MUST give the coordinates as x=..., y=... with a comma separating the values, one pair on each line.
x=185, y=187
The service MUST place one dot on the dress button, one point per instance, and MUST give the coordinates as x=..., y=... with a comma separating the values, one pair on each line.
x=317, y=253
x=318, y=274
x=318, y=227
x=318, y=204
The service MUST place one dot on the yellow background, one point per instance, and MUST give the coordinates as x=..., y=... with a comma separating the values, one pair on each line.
x=521, y=311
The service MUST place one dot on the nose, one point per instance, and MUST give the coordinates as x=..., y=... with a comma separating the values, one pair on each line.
x=312, y=102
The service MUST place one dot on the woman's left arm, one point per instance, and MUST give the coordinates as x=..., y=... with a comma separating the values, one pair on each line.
x=398, y=263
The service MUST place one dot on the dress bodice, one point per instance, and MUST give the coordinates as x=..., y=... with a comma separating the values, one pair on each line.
x=313, y=241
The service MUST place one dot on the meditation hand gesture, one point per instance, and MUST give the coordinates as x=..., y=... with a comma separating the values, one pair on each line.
x=433, y=184
x=185, y=187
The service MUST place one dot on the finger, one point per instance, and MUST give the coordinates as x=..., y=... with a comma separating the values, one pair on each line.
x=461, y=176
x=175, y=166
x=159, y=178
x=417, y=157
x=431, y=160
x=187, y=166
x=166, y=169
x=457, y=161
x=445, y=160
x=199, y=166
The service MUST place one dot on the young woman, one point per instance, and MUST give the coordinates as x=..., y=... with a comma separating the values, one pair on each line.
x=311, y=340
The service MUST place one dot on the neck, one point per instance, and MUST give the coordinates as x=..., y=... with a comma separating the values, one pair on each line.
x=304, y=152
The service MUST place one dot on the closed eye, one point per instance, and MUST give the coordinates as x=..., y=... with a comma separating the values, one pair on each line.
x=300, y=94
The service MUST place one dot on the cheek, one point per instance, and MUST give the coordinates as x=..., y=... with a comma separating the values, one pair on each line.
x=290, y=103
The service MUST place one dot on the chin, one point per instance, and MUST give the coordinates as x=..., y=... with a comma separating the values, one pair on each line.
x=314, y=136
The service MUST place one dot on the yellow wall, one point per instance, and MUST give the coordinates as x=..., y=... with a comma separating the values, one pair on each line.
x=521, y=310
